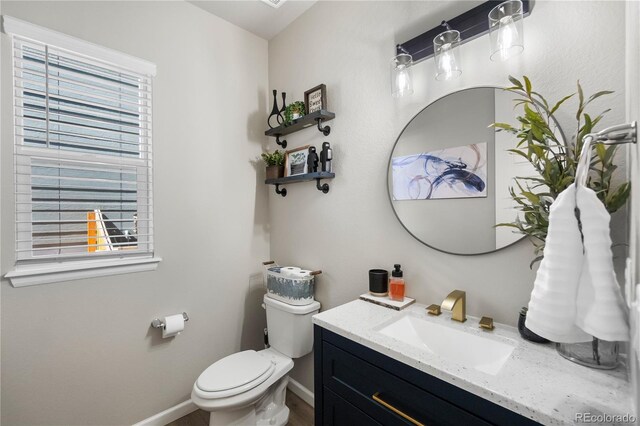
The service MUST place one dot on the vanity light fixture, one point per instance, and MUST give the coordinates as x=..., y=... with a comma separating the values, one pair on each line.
x=445, y=51
x=506, y=30
x=401, y=83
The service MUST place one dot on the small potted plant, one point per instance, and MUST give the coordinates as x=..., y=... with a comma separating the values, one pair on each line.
x=293, y=111
x=275, y=164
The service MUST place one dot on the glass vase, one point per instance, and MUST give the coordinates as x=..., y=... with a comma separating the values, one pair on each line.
x=598, y=353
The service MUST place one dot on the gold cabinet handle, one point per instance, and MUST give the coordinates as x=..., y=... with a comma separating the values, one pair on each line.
x=376, y=398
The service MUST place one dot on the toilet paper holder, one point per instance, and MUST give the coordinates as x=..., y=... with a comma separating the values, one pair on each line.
x=158, y=323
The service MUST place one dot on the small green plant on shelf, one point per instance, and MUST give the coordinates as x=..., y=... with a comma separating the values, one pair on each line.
x=275, y=164
x=293, y=111
x=275, y=158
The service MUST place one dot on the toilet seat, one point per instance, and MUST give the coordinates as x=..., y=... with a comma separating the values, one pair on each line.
x=235, y=374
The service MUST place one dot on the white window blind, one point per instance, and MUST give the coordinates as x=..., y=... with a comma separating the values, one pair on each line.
x=83, y=158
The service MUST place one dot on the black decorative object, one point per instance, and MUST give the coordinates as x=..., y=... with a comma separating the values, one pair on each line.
x=525, y=332
x=283, y=109
x=274, y=111
x=378, y=282
x=326, y=155
x=471, y=24
x=312, y=160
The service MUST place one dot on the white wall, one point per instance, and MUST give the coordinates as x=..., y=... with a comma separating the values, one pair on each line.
x=82, y=352
x=348, y=46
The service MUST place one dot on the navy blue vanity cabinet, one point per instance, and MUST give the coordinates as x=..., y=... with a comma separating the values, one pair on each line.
x=355, y=385
x=337, y=411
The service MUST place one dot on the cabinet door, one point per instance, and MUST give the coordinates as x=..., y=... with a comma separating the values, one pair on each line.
x=386, y=397
x=338, y=412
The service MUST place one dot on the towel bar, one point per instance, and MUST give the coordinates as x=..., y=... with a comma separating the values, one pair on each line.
x=615, y=135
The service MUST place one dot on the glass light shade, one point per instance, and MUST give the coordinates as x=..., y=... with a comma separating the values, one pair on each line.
x=446, y=55
x=401, y=84
x=506, y=30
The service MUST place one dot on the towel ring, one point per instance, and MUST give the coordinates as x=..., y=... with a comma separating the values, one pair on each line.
x=584, y=163
x=614, y=135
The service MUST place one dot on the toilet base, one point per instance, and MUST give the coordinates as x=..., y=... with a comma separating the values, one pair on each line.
x=269, y=410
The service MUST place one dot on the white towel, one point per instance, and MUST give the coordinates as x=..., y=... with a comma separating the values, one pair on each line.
x=552, y=308
x=600, y=303
x=575, y=294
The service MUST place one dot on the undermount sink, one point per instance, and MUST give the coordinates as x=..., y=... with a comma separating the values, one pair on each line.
x=462, y=347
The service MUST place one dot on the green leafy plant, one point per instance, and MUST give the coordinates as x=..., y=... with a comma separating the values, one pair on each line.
x=275, y=158
x=555, y=160
x=296, y=107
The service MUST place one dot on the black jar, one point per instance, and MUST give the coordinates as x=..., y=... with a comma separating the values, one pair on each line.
x=378, y=282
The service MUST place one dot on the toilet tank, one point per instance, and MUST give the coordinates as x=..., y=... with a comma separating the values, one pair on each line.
x=290, y=327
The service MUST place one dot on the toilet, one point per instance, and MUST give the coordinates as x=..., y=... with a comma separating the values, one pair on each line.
x=249, y=387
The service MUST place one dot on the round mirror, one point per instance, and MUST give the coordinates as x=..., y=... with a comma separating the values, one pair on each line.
x=449, y=173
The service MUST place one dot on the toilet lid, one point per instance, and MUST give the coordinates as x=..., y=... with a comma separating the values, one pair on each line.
x=234, y=371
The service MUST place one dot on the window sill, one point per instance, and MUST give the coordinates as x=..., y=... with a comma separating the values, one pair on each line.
x=27, y=275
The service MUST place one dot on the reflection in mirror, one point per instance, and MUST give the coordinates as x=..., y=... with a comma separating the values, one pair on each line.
x=449, y=173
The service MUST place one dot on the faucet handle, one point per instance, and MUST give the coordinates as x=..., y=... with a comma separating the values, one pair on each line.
x=434, y=310
x=486, y=323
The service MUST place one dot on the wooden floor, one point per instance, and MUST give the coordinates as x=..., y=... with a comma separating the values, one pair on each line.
x=301, y=414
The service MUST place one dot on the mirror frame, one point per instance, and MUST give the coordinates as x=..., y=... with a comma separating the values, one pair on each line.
x=395, y=213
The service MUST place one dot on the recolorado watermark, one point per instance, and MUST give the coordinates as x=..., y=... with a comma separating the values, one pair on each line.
x=601, y=418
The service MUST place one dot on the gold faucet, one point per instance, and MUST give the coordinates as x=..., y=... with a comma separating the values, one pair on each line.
x=456, y=302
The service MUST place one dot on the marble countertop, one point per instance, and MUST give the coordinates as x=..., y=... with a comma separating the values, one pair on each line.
x=535, y=382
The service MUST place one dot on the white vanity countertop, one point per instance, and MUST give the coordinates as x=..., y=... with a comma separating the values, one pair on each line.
x=535, y=382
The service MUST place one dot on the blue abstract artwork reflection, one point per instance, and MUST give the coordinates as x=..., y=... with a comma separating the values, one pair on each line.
x=458, y=172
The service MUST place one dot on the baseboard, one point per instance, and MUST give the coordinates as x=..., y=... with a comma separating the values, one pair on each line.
x=174, y=413
x=303, y=393
x=169, y=415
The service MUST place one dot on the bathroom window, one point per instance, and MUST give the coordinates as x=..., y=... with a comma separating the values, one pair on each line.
x=83, y=158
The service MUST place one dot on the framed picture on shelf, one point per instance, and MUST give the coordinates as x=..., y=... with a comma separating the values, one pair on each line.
x=316, y=99
x=295, y=161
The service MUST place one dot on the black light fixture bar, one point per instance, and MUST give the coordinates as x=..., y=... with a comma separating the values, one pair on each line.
x=471, y=24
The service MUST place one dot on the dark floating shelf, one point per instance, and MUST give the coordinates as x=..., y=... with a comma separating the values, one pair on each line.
x=317, y=176
x=300, y=178
x=315, y=118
